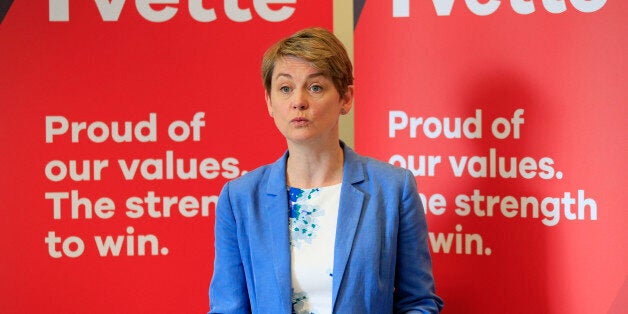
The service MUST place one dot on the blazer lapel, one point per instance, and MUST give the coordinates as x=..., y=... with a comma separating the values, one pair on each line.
x=275, y=205
x=349, y=212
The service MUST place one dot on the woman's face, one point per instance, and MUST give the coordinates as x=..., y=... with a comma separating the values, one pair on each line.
x=304, y=103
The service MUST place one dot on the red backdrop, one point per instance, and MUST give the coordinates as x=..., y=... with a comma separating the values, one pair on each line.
x=87, y=70
x=553, y=84
x=554, y=87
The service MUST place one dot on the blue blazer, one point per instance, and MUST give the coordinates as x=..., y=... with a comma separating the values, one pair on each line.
x=381, y=258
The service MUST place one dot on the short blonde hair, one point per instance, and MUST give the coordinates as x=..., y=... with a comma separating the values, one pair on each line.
x=317, y=46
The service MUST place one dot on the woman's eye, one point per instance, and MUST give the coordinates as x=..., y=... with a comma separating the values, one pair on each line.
x=316, y=88
x=284, y=89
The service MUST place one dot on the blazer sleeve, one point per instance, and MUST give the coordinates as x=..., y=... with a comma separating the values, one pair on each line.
x=414, y=283
x=228, y=290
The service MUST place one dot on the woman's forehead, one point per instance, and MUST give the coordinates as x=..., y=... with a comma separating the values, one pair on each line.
x=293, y=62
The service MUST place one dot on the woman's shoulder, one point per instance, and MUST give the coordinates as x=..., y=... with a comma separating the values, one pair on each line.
x=251, y=178
x=383, y=166
x=379, y=168
x=384, y=177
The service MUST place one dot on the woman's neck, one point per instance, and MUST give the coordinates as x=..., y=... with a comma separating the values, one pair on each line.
x=314, y=166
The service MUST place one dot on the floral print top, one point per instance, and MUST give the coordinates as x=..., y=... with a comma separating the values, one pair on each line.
x=313, y=215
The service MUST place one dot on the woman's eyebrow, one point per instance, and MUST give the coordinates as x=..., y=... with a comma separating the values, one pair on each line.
x=290, y=76
x=283, y=74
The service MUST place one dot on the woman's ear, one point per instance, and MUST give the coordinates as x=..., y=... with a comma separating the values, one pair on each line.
x=347, y=100
x=268, y=104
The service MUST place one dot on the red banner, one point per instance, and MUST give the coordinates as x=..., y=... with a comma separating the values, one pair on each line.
x=512, y=116
x=121, y=121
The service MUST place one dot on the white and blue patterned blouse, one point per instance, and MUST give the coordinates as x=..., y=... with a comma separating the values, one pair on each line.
x=312, y=221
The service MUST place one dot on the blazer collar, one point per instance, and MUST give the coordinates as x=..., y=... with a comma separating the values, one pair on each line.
x=275, y=207
x=349, y=213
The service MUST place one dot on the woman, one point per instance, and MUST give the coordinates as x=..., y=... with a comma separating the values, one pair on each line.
x=322, y=229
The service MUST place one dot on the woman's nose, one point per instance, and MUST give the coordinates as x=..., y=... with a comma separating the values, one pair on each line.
x=300, y=101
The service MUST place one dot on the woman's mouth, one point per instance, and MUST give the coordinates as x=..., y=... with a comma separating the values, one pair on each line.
x=299, y=121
